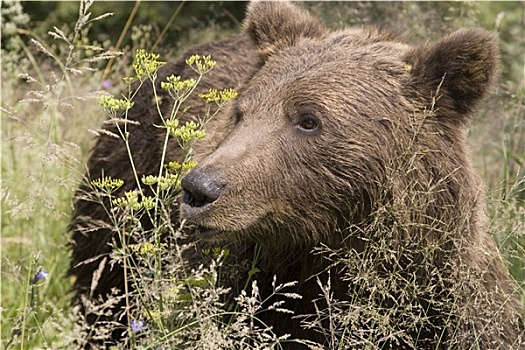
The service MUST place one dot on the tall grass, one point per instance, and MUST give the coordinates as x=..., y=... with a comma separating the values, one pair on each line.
x=49, y=108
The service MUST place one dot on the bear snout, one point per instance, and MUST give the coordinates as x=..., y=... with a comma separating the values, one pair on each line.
x=200, y=189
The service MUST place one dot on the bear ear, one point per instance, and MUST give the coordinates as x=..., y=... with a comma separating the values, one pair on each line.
x=456, y=72
x=276, y=25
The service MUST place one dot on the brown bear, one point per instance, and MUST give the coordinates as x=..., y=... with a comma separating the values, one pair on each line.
x=343, y=163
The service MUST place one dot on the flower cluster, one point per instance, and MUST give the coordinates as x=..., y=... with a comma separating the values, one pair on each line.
x=146, y=64
x=201, y=65
x=219, y=97
x=177, y=88
x=163, y=182
x=189, y=131
x=131, y=201
x=146, y=248
x=112, y=105
x=184, y=166
x=108, y=184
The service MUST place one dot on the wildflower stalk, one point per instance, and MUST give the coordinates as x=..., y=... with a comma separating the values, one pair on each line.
x=29, y=305
x=164, y=184
x=174, y=113
x=29, y=298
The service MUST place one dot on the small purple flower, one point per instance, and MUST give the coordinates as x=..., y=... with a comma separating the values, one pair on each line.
x=106, y=84
x=137, y=326
x=42, y=274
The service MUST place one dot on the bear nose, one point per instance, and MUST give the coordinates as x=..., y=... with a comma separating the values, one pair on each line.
x=200, y=189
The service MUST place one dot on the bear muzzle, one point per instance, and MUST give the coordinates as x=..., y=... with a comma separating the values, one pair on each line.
x=205, y=205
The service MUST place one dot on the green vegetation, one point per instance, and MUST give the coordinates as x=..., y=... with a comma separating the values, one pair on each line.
x=52, y=82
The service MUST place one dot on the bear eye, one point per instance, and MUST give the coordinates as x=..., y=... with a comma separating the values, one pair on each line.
x=308, y=123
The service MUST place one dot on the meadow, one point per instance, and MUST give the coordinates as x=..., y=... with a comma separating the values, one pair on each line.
x=53, y=74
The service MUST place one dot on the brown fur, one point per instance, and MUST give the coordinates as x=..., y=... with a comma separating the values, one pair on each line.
x=387, y=163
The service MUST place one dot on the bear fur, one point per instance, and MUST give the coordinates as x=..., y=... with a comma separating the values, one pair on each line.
x=343, y=161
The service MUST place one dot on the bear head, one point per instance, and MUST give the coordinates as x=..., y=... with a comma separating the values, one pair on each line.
x=333, y=125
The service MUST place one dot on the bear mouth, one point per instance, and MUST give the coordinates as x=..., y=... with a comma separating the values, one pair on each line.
x=204, y=232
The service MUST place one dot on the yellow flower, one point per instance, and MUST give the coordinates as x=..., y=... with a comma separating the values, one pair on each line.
x=108, y=184
x=219, y=97
x=146, y=64
x=201, y=65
